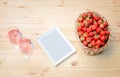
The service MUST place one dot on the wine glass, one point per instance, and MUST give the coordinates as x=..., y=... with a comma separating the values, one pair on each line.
x=26, y=46
x=14, y=35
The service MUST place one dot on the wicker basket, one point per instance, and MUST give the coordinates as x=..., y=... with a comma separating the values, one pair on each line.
x=93, y=51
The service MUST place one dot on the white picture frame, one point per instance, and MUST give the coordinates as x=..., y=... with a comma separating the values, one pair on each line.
x=62, y=37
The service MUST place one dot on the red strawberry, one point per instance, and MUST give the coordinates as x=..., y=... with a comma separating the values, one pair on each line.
x=82, y=38
x=84, y=29
x=89, y=30
x=79, y=28
x=81, y=24
x=87, y=18
x=86, y=23
x=89, y=45
x=105, y=29
x=80, y=33
x=84, y=15
x=94, y=27
x=85, y=43
x=94, y=32
x=102, y=43
x=102, y=38
x=102, y=26
x=80, y=19
x=92, y=38
x=91, y=34
x=105, y=23
x=95, y=23
x=90, y=21
x=96, y=37
x=93, y=42
x=107, y=32
x=98, y=30
x=89, y=14
x=90, y=26
x=95, y=17
x=106, y=37
x=85, y=34
x=97, y=46
x=98, y=42
x=102, y=33
x=88, y=39
x=100, y=21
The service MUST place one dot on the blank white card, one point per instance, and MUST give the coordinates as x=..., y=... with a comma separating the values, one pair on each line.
x=56, y=45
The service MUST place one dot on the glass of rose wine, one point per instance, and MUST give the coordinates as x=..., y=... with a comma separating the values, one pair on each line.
x=23, y=43
x=27, y=47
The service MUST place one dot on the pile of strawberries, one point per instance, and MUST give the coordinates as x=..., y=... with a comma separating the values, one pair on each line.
x=92, y=30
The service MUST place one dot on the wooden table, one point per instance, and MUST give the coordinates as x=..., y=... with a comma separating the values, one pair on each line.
x=34, y=17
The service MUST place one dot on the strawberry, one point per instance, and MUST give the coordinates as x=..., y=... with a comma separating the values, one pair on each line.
x=80, y=19
x=80, y=33
x=79, y=28
x=90, y=21
x=86, y=23
x=89, y=45
x=89, y=26
x=100, y=21
x=87, y=18
x=97, y=46
x=98, y=42
x=81, y=24
x=85, y=43
x=82, y=38
x=95, y=23
x=88, y=39
x=91, y=34
x=102, y=43
x=102, y=33
x=85, y=34
x=107, y=32
x=94, y=27
x=102, y=38
x=95, y=17
x=105, y=28
x=102, y=26
x=89, y=14
x=84, y=29
x=92, y=38
x=89, y=30
x=105, y=23
x=94, y=32
x=98, y=30
x=84, y=15
x=96, y=37
x=93, y=42
x=106, y=37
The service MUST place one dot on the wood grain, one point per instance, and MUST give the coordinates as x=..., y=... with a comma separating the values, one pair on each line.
x=34, y=17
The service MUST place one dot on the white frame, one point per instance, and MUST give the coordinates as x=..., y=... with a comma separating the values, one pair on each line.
x=63, y=58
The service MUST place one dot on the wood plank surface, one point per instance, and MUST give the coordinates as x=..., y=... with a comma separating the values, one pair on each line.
x=34, y=17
